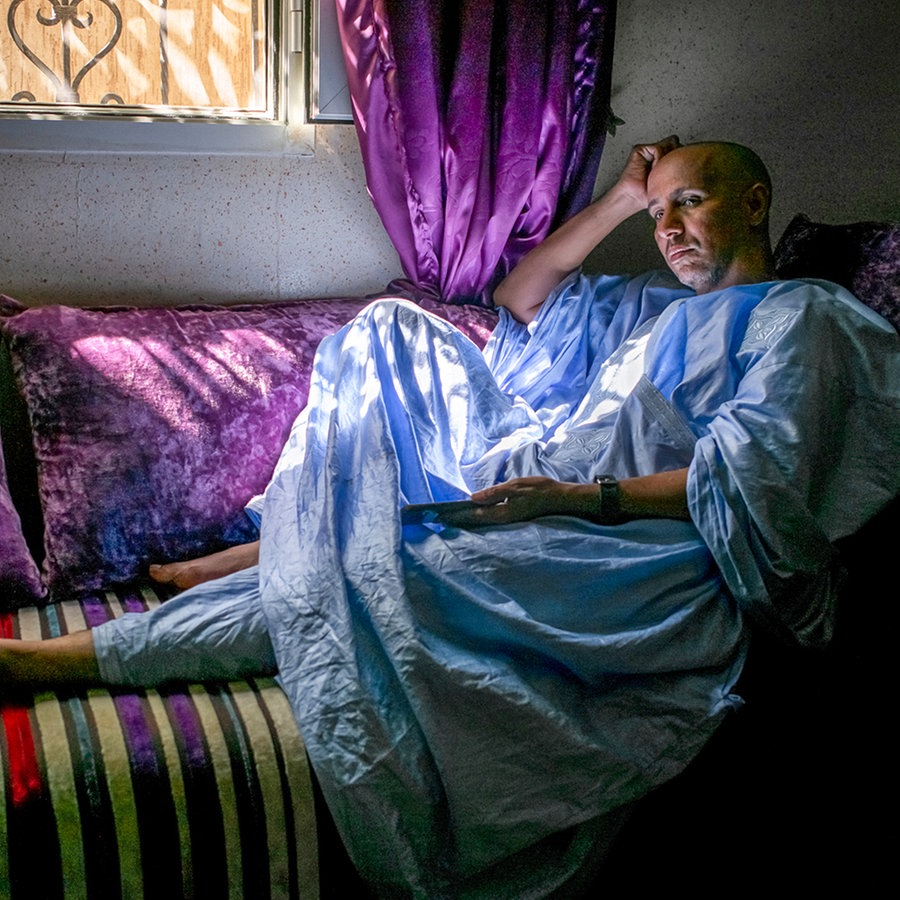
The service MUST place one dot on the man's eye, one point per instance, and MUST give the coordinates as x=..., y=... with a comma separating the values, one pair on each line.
x=656, y=215
x=690, y=201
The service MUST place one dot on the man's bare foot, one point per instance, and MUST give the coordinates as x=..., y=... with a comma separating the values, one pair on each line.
x=192, y=572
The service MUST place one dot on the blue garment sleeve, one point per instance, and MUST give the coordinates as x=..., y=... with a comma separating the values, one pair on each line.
x=795, y=459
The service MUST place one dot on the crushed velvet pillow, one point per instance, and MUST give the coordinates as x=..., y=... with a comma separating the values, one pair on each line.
x=20, y=581
x=864, y=257
x=153, y=427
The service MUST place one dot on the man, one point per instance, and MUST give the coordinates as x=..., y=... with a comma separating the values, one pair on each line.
x=734, y=249
x=649, y=465
x=710, y=203
x=526, y=288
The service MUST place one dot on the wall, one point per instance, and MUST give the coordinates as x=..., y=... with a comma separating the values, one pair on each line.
x=191, y=227
x=812, y=85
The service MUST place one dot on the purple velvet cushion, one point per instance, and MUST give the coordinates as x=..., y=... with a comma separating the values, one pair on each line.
x=153, y=427
x=475, y=321
x=20, y=581
x=864, y=257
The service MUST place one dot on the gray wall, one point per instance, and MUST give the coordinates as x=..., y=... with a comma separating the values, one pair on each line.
x=813, y=86
x=188, y=227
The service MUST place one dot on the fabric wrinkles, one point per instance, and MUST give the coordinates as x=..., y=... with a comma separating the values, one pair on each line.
x=467, y=696
x=466, y=184
x=463, y=655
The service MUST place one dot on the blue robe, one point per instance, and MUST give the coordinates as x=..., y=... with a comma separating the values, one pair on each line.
x=466, y=695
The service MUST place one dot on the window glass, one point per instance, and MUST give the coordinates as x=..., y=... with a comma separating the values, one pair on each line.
x=159, y=57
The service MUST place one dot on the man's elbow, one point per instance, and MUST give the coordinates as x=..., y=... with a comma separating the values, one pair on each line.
x=514, y=305
x=502, y=295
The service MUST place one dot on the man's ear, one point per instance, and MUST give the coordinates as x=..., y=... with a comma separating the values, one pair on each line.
x=756, y=203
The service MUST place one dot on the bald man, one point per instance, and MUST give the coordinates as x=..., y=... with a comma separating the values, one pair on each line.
x=648, y=462
x=710, y=205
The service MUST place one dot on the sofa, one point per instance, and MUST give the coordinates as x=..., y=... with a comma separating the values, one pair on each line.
x=133, y=435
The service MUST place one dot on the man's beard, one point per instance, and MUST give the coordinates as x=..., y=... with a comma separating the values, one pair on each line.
x=702, y=279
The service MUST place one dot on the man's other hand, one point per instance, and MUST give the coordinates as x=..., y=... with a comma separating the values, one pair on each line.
x=643, y=157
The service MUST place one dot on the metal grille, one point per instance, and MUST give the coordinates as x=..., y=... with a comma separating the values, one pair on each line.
x=160, y=55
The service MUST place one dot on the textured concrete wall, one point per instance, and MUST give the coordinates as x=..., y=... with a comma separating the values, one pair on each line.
x=189, y=227
x=812, y=85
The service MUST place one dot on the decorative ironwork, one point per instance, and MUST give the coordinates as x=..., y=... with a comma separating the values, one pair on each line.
x=162, y=57
x=67, y=15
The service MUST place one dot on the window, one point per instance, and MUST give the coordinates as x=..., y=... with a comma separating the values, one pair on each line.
x=157, y=57
x=191, y=61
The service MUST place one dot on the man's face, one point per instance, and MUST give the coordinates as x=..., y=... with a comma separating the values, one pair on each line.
x=701, y=222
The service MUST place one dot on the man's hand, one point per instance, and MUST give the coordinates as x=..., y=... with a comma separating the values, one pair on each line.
x=632, y=182
x=522, y=499
x=662, y=495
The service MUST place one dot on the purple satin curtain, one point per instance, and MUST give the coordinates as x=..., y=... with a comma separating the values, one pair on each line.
x=481, y=125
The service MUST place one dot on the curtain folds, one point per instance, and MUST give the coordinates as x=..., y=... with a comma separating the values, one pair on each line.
x=481, y=125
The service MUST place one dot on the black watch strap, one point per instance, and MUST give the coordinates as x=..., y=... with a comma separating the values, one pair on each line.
x=608, y=507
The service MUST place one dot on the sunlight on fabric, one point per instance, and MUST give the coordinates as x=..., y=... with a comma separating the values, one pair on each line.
x=356, y=347
x=182, y=388
x=590, y=432
x=458, y=404
x=618, y=379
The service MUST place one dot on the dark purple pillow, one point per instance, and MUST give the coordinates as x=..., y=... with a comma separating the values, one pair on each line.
x=153, y=427
x=864, y=257
x=20, y=581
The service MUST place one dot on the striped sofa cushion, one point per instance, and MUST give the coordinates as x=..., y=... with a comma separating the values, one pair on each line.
x=190, y=791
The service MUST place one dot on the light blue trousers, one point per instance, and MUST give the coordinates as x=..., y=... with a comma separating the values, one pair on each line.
x=213, y=632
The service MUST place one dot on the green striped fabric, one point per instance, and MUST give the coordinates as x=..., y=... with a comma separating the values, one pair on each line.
x=191, y=791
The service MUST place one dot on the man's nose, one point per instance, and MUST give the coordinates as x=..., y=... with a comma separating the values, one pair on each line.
x=668, y=224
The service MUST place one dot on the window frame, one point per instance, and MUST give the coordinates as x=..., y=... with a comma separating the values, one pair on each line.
x=328, y=96
x=105, y=131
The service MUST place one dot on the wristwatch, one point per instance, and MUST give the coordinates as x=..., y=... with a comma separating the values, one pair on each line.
x=608, y=508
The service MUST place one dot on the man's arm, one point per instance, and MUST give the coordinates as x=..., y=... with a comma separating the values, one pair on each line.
x=663, y=495
x=524, y=290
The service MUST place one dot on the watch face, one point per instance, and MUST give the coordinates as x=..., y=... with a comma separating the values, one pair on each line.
x=608, y=498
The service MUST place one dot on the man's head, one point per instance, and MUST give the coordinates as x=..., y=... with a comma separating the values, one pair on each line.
x=710, y=205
